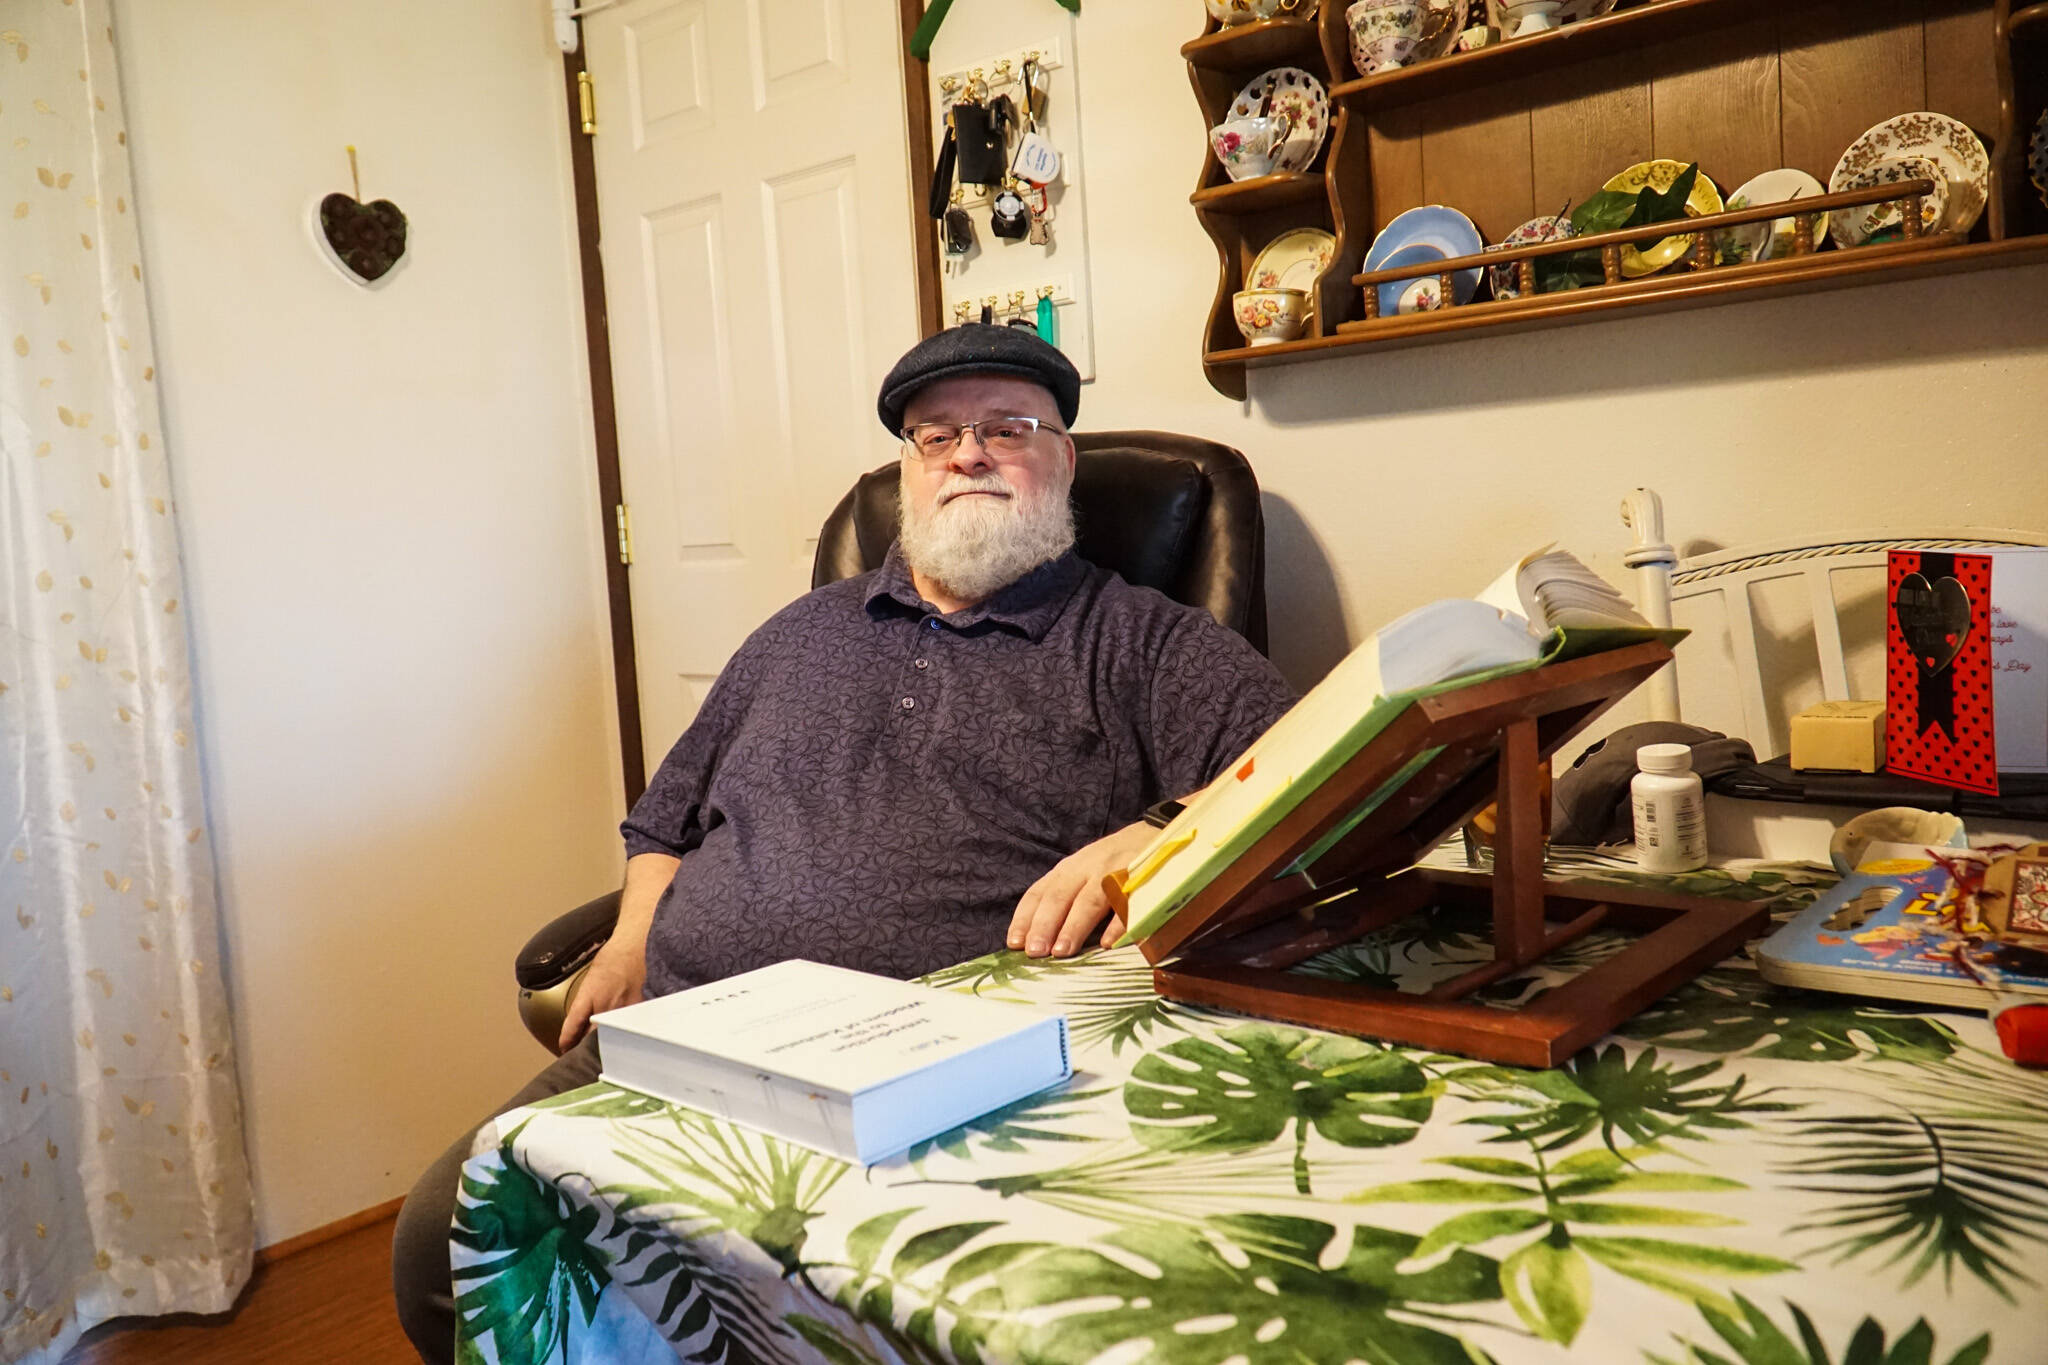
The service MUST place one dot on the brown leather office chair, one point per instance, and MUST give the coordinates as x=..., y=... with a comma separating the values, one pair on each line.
x=1176, y=513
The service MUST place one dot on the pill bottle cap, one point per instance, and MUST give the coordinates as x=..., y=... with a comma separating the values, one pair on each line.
x=1664, y=758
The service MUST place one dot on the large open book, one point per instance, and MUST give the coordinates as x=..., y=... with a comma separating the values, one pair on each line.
x=1547, y=606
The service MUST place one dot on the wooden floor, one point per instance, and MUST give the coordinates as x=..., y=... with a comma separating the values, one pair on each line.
x=324, y=1305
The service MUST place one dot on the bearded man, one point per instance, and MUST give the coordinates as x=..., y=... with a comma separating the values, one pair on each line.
x=915, y=766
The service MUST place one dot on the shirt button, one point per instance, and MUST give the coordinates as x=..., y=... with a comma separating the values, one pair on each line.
x=924, y=663
x=909, y=704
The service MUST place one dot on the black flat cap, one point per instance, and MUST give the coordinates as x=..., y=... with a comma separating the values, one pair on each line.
x=975, y=348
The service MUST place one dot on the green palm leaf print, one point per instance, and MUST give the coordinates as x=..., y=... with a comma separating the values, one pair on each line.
x=1249, y=1084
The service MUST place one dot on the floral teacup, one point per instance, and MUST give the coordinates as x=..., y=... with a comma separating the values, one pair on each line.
x=1384, y=33
x=1231, y=12
x=1248, y=147
x=1268, y=317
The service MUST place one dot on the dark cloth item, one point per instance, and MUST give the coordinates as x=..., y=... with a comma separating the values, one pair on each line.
x=420, y=1277
x=1590, y=802
x=874, y=785
x=978, y=349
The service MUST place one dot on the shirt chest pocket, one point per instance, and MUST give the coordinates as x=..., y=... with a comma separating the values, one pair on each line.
x=1035, y=773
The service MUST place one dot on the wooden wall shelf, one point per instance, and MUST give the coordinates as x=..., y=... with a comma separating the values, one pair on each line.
x=1551, y=52
x=1517, y=129
x=1269, y=42
x=1260, y=193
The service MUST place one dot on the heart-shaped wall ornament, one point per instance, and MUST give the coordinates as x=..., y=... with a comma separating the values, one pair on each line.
x=364, y=241
x=1934, y=618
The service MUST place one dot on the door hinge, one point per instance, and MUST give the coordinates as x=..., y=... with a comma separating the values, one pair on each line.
x=586, y=102
x=625, y=528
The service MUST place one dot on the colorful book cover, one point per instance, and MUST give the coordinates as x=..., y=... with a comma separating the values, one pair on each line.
x=1938, y=686
x=1880, y=932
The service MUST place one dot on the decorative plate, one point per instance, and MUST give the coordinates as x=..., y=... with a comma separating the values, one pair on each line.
x=2037, y=157
x=1440, y=29
x=1430, y=233
x=1944, y=141
x=1662, y=175
x=1506, y=279
x=1293, y=260
x=1571, y=12
x=1768, y=241
x=1854, y=227
x=1291, y=91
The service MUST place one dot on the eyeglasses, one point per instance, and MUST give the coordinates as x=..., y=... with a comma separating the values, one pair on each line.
x=936, y=442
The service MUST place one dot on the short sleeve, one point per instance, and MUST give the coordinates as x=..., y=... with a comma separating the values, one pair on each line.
x=668, y=817
x=1212, y=696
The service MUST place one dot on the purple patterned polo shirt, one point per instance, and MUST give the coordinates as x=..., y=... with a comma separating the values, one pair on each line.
x=872, y=784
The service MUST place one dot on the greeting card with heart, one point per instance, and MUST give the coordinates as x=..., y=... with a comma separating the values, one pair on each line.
x=1938, y=713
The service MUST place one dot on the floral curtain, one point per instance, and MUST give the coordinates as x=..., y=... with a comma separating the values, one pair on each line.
x=124, y=1188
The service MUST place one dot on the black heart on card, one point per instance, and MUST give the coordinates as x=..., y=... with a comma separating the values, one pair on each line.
x=1934, y=618
x=365, y=239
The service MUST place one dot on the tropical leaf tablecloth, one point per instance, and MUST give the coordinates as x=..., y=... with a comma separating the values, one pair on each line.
x=1744, y=1174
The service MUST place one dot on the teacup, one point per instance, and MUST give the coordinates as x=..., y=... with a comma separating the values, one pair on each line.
x=1384, y=33
x=1248, y=147
x=1268, y=317
x=1526, y=18
x=1230, y=12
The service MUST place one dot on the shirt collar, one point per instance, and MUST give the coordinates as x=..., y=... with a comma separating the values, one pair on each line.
x=1028, y=606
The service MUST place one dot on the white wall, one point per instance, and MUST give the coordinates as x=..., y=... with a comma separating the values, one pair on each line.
x=1397, y=478
x=389, y=518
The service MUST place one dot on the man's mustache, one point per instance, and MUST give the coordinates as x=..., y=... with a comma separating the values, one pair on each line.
x=967, y=483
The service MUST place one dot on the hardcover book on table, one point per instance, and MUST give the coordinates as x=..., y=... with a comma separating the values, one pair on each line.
x=857, y=1066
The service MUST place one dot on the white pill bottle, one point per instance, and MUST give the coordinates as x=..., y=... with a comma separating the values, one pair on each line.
x=1670, y=810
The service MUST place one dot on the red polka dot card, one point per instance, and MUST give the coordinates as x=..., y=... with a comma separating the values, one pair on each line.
x=1938, y=713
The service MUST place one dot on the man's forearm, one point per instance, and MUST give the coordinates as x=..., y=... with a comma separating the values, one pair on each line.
x=647, y=876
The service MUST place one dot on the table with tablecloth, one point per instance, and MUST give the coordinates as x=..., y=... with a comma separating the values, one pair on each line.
x=1741, y=1174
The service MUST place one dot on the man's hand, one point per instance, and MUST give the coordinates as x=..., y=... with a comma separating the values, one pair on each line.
x=1063, y=907
x=617, y=976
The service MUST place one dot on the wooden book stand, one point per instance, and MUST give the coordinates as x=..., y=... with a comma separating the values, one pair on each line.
x=1233, y=942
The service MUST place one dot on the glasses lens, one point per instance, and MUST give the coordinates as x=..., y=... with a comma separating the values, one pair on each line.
x=1007, y=435
x=934, y=440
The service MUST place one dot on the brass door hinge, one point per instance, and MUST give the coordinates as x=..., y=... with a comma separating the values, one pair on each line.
x=625, y=528
x=586, y=102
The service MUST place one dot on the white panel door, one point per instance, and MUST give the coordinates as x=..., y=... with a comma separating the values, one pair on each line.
x=753, y=192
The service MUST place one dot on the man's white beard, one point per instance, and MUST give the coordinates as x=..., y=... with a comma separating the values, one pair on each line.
x=975, y=547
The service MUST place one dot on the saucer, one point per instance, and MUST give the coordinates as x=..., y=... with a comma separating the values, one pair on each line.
x=1949, y=144
x=1770, y=240
x=1506, y=279
x=2037, y=157
x=1430, y=233
x=1854, y=227
x=1300, y=96
x=1662, y=175
x=1293, y=260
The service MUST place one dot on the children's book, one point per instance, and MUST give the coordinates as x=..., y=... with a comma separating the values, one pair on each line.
x=1547, y=606
x=1881, y=931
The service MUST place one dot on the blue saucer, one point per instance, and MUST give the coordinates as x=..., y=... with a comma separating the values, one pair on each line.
x=1430, y=233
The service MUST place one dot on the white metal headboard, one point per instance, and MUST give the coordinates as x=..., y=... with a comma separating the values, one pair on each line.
x=1664, y=579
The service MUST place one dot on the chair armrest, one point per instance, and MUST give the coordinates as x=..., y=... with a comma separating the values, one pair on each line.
x=566, y=944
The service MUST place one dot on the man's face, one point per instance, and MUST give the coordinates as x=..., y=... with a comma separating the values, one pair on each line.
x=1047, y=463
x=976, y=520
